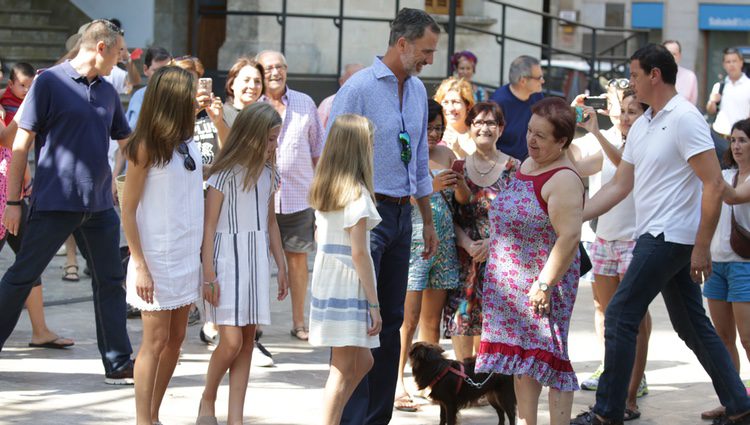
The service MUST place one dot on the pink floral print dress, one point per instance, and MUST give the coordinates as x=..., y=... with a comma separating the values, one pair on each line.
x=515, y=339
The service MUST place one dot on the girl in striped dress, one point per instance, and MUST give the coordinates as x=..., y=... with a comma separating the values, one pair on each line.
x=345, y=314
x=239, y=228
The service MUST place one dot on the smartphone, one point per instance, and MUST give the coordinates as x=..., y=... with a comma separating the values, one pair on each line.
x=596, y=102
x=136, y=53
x=205, y=85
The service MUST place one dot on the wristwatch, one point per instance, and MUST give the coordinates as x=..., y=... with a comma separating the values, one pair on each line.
x=544, y=287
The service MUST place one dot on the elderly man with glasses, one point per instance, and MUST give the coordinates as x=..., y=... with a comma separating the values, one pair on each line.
x=516, y=99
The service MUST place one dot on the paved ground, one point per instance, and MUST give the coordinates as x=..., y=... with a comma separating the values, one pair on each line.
x=40, y=386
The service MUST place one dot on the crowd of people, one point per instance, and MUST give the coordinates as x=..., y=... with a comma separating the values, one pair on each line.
x=460, y=216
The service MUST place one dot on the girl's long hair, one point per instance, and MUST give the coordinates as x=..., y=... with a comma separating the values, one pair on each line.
x=167, y=117
x=247, y=142
x=345, y=165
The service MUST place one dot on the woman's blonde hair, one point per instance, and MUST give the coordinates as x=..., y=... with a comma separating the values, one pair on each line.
x=167, y=116
x=345, y=165
x=456, y=84
x=247, y=143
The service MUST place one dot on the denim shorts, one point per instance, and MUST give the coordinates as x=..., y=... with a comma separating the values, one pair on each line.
x=729, y=281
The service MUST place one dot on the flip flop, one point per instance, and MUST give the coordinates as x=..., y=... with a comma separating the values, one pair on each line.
x=52, y=344
x=405, y=404
x=301, y=333
x=631, y=414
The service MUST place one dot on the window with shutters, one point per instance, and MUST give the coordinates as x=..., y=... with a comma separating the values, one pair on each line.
x=442, y=7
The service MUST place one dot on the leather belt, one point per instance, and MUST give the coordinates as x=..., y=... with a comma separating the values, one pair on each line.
x=398, y=201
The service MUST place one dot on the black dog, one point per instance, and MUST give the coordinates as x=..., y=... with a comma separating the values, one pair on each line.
x=452, y=382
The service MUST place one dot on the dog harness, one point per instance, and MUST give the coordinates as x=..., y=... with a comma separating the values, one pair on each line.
x=460, y=373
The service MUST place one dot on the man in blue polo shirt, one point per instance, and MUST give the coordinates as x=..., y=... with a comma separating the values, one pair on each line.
x=516, y=99
x=69, y=114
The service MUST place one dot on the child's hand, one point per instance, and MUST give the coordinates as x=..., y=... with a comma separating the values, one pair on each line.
x=211, y=292
x=377, y=322
x=283, y=284
x=144, y=284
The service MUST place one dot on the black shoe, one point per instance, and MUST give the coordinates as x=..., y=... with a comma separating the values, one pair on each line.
x=258, y=334
x=132, y=312
x=589, y=418
x=725, y=420
x=123, y=376
x=208, y=340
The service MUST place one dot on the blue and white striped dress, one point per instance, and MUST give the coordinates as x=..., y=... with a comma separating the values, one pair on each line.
x=241, y=254
x=339, y=314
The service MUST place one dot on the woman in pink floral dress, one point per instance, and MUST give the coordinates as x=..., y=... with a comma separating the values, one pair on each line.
x=532, y=272
x=486, y=172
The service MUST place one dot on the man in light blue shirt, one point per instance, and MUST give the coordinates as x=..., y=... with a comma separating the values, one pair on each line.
x=395, y=100
x=155, y=58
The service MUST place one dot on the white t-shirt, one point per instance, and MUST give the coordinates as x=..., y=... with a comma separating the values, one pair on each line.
x=666, y=191
x=735, y=103
x=720, y=249
x=119, y=79
x=617, y=224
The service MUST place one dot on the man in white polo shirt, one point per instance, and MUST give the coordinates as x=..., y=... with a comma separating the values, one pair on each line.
x=730, y=97
x=670, y=165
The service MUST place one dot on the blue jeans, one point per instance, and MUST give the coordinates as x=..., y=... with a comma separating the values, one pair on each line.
x=390, y=241
x=660, y=266
x=97, y=235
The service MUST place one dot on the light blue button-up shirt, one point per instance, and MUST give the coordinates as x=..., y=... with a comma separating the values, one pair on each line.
x=373, y=93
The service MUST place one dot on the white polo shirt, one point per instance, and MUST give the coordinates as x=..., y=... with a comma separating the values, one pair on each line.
x=666, y=191
x=735, y=103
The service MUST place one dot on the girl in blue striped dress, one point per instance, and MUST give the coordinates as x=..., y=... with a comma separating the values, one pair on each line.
x=345, y=314
x=239, y=228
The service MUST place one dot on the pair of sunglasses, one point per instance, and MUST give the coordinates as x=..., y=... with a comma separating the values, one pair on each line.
x=189, y=162
x=620, y=83
x=405, y=140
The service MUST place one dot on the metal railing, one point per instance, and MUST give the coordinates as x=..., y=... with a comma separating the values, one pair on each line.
x=594, y=57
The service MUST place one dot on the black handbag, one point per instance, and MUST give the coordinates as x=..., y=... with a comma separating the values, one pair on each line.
x=586, y=265
x=739, y=237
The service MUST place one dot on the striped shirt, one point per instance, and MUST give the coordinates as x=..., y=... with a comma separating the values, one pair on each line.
x=300, y=141
x=373, y=93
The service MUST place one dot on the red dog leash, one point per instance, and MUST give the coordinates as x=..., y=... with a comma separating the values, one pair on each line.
x=460, y=373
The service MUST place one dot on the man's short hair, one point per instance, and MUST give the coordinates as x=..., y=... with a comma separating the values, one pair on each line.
x=155, y=53
x=675, y=42
x=268, y=52
x=100, y=30
x=521, y=67
x=21, y=68
x=410, y=24
x=653, y=56
x=732, y=51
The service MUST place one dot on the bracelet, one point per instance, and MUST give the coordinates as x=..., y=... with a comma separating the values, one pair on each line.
x=211, y=283
x=373, y=305
x=13, y=203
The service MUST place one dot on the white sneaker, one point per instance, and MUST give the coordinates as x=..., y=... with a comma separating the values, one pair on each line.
x=261, y=356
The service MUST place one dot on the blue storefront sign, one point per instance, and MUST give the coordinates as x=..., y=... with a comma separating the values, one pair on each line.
x=724, y=17
x=647, y=15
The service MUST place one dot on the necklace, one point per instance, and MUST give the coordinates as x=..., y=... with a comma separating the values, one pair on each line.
x=483, y=173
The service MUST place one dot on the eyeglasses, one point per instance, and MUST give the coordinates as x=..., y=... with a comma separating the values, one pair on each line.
x=620, y=83
x=438, y=128
x=539, y=78
x=280, y=67
x=488, y=123
x=189, y=162
x=405, y=140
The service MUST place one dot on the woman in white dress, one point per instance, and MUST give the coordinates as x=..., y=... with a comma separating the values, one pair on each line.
x=344, y=311
x=162, y=214
x=240, y=226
